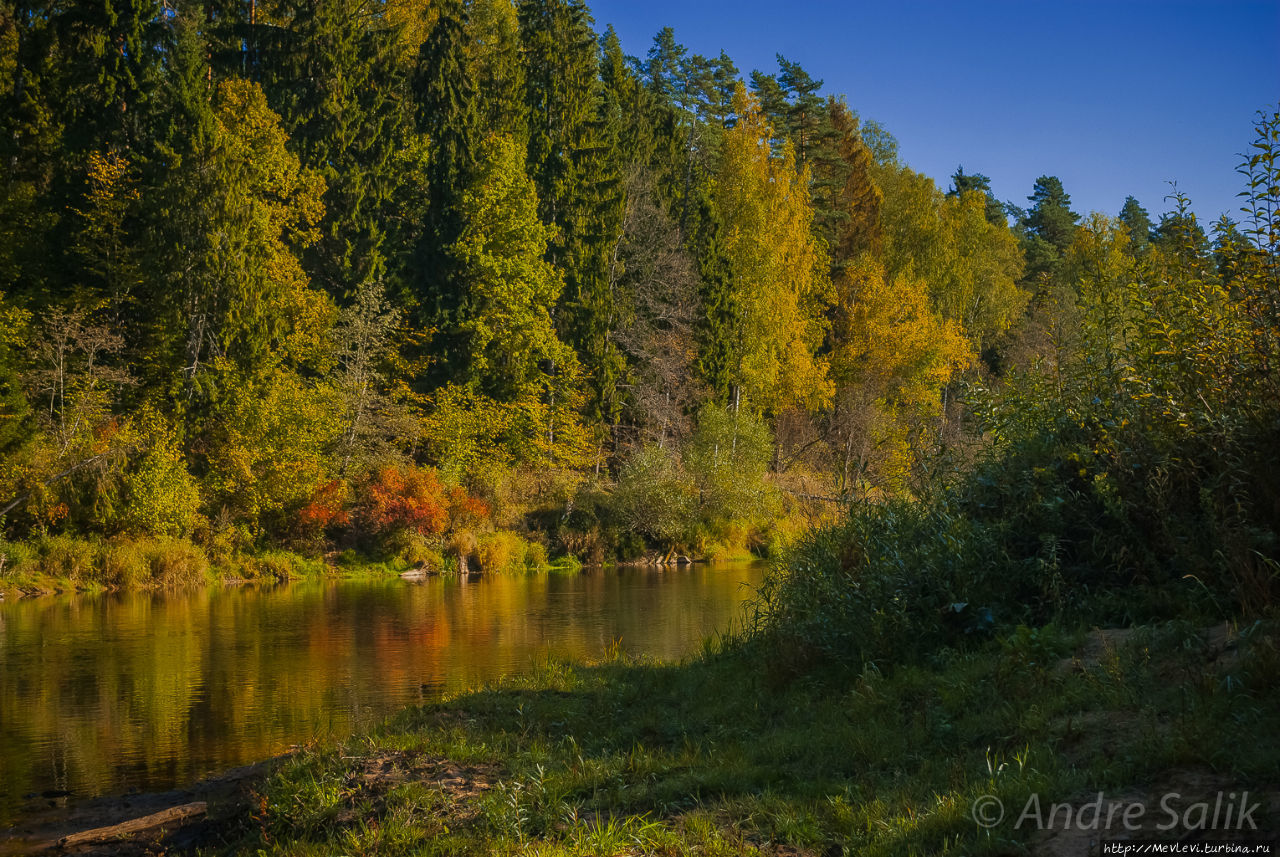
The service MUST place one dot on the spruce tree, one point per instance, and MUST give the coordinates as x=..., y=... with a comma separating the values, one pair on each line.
x=337, y=93
x=718, y=321
x=666, y=67
x=497, y=68
x=575, y=163
x=447, y=114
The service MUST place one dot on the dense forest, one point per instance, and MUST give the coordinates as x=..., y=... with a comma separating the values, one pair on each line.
x=445, y=282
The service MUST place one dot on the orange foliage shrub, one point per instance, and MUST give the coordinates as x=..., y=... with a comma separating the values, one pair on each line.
x=407, y=499
x=325, y=508
x=465, y=510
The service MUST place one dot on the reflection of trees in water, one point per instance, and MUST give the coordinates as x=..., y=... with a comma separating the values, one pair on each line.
x=148, y=690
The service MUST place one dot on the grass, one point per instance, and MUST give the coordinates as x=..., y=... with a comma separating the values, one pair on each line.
x=717, y=756
x=69, y=564
x=62, y=563
x=65, y=563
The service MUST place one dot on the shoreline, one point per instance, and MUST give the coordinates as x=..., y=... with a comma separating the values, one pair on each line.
x=224, y=794
x=722, y=754
x=370, y=571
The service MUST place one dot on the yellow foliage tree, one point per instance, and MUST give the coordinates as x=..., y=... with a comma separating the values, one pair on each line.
x=268, y=450
x=896, y=353
x=970, y=265
x=779, y=269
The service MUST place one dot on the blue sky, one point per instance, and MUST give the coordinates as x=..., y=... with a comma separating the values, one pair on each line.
x=1115, y=98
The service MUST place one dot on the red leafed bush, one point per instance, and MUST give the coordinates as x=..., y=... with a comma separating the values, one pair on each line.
x=325, y=508
x=465, y=510
x=405, y=498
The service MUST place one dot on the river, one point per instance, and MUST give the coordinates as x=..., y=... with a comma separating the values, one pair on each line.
x=111, y=693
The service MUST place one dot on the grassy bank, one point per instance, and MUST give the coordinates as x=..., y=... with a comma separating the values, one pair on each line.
x=720, y=756
x=62, y=563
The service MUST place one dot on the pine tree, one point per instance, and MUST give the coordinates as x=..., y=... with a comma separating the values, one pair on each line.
x=963, y=183
x=1048, y=226
x=772, y=99
x=806, y=120
x=1136, y=219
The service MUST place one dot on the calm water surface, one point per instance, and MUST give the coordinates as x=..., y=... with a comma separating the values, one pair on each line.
x=110, y=693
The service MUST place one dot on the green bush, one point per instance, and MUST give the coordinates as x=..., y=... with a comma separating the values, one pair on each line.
x=17, y=560
x=163, y=498
x=655, y=497
x=64, y=557
x=728, y=461
x=176, y=562
x=286, y=565
x=893, y=582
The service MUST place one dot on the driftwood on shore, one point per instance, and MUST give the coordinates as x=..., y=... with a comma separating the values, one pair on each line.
x=172, y=815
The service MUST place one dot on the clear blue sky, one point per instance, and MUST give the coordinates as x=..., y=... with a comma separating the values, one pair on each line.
x=1115, y=98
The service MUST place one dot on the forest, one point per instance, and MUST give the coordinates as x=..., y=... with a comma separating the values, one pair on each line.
x=460, y=284
x=358, y=288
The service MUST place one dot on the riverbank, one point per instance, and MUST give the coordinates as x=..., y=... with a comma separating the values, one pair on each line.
x=65, y=564
x=720, y=756
x=54, y=565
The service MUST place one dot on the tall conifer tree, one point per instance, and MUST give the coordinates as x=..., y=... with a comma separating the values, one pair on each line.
x=574, y=161
x=338, y=97
x=447, y=114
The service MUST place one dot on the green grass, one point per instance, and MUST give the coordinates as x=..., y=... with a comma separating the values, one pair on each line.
x=66, y=563
x=715, y=756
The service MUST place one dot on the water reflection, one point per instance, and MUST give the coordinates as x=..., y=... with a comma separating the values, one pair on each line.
x=103, y=694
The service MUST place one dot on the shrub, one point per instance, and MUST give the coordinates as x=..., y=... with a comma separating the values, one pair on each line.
x=413, y=550
x=283, y=565
x=535, y=556
x=124, y=564
x=17, y=560
x=406, y=499
x=176, y=562
x=655, y=497
x=325, y=509
x=163, y=498
x=728, y=460
x=67, y=557
x=891, y=582
x=501, y=551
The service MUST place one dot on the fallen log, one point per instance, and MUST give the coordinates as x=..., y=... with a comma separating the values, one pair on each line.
x=137, y=825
